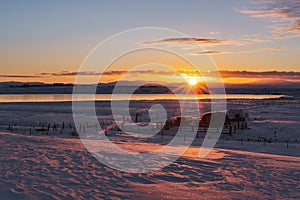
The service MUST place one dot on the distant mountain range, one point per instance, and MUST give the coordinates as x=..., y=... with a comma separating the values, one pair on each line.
x=266, y=84
x=258, y=87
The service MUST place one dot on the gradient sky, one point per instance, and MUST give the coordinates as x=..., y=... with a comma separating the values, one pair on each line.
x=46, y=37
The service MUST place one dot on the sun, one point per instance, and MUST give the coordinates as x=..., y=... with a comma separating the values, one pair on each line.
x=192, y=81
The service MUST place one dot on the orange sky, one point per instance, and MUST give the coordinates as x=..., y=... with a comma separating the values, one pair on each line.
x=44, y=42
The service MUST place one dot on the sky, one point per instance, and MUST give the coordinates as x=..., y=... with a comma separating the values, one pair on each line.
x=49, y=40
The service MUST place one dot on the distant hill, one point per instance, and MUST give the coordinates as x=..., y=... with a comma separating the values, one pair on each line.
x=258, y=87
x=265, y=87
x=266, y=84
x=20, y=84
x=60, y=88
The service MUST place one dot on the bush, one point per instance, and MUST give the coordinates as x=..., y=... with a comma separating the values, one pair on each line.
x=75, y=133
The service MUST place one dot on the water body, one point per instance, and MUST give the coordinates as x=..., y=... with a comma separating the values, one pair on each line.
x=108, y=97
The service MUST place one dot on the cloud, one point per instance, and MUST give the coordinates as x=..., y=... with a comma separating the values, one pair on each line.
x=18, y=76
x=107, y=73
x=188, y=41
x=224, y=73
x=85, y=73
x=264, y=74
x=250, y=74
x=255, y=40
x=206, y=52
x=285, y=15
x=295, y=76
x=237, y=52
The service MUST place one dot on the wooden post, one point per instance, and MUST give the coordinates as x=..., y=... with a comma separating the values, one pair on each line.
x=234, y=130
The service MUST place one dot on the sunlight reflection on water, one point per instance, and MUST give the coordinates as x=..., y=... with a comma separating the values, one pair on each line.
x=107, y=97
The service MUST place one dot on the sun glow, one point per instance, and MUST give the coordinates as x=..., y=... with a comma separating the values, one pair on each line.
x=192, y=81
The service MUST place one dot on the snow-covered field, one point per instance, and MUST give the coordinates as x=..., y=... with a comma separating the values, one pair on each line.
x=61, y=168
x=57, y=166
x=273, y=120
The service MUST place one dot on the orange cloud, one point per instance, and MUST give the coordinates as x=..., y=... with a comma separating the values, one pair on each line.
x=235, y=52
x=228, y=76
x=19, y=76
x=107, y=73
x=188, y=41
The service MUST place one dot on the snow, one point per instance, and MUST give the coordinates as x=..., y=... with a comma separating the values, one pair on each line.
x=241, y=166
x=273, y=120
x=61, y=168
